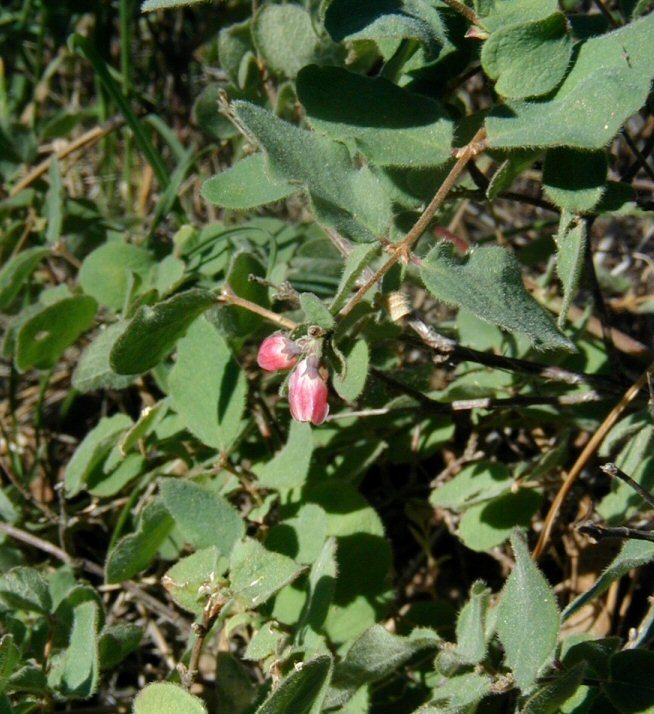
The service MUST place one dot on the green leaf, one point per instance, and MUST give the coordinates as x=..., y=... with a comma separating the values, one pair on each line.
x=94, y=448
x=609, y=81
x=528, y=59
x=235, y=49
x=205, y=518
x=516, y=162
x=302, y=691
x=256, y=573
x=116, y=642
x=634, y=553
x=237, y=320
x=284, y=37
x=79, y=677
x=289, y=467
x=105, y=273
x=185, y=580
x=9, y=660
x=15, y=272
x=153, y=331
x=575, y=180
x=475, y=483
x=246, y=185
x=207, y=387
x=24, y=588
x=322, y=578
x=496, y=14
x=549, y=698
x=374, y=655
x=358, y=260
x=487, y=525
x=236, y=692
x=316, y=312
x=301, y=537
x=110, y=479
x=265, y=642
x=389, y=19
x=488, y=283
x=93, y=370
x=136, y=551
x=630, y=687
x=43, y=338
x=347, y=198
x=571, y=241
x=54, y=203
x=459, y=693
x=350, y=382
x=527, y=617
x=390, y=125
x=147, y=422
x=471, y=625
x=167, y=698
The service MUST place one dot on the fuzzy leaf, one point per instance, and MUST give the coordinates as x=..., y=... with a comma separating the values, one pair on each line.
x=43, y=338
x=316, y=311
x=488, y=283
x=302, y=691
x=470, y=625
x=167, y=698
x=390, y=125
x=527, y=617
x=105, y=273
x=256, y=573
x=79, y=678
x=349, y=199
x=153, y=331
x=571, y=242
x=549, y=698
x=116, y=642
x=246, y=185
x=134, y=552
x=528, y=59
x=207, y=387
x=205, y=518
x=185, y=579
x=289, y=467
x=609, y=81
x=575, y=180
x=24, y=588
x=358, y=260
x=93, y=450
x=9, y=660
x=150, y=5
x=93, y=370
x=350, y=382
x=15, y=272
x=634, y=553
x=322, y=578
x=284, y=36
x=630, y=687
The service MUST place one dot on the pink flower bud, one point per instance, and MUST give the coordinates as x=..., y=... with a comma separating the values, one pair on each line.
x=307, y=392
x=277, y=352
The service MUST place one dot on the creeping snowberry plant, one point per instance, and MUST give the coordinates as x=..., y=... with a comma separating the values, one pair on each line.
x=330, y=395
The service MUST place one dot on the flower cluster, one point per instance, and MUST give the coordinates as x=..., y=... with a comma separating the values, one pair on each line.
x=307, y=386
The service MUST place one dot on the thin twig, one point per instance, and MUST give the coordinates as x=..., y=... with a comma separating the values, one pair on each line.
x=201, y=629
x=403, y=248
x=641, y=159
x=591, y=447
x=612, y=470
x=89, y=138
x=598, y=532
x=229, y=297
x=36, y=542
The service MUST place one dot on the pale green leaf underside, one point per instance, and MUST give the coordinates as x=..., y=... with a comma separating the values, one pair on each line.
x=488, y=283
x=167, y=698
x=207, y=387
x=527, y=618
x=246, y=185
x=345, y=197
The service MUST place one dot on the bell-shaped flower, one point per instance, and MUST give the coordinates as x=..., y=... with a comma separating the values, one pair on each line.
x=307, y=392
x=277, y=352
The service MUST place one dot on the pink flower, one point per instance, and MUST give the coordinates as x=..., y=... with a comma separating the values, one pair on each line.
x=307, y=392
x=277, y=352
